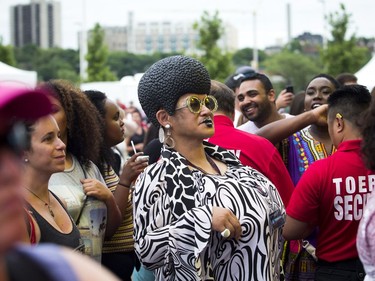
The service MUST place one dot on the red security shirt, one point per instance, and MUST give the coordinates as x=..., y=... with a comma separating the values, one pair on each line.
x=331, y=194
x=254, y=151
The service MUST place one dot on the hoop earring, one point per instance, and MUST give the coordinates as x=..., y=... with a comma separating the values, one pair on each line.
x=168, y=140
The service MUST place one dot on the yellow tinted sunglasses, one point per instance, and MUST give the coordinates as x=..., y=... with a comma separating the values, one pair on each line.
x=194, y=104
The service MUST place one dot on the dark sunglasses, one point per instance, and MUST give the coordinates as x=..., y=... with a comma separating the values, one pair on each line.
x=16, y=138
x=194, y=104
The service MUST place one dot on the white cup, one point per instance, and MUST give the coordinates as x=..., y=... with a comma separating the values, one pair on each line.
x=141, y=158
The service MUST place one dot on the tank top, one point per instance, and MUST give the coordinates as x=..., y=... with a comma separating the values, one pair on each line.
x=51, y=234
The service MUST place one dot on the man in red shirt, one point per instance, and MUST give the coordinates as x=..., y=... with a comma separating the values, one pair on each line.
x=332, y=192
x=252, y=150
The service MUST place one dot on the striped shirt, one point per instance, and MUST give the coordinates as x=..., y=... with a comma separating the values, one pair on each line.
x=122, y=240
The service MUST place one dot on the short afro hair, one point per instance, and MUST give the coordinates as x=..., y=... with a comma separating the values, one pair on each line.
x=167, y=80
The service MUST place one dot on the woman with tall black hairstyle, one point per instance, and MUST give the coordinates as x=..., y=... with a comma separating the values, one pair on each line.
x=199, y=214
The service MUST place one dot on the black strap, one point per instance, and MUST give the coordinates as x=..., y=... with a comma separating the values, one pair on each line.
x=85, y=201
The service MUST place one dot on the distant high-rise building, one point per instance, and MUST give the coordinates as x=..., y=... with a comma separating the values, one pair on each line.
x=36, y=23
x=163, y=37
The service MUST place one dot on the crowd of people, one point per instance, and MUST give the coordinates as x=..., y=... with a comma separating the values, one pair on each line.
x=239, y=182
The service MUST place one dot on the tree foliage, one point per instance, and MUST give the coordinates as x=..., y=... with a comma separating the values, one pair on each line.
x=124, y=63
x=245, y=56
x=295, y=68
x=218, y=63
x=54, y=63
x=7, y=54
x=341, y=54
x=97, y=55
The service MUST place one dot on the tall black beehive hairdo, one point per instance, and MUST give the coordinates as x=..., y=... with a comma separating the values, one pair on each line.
x=169, y=79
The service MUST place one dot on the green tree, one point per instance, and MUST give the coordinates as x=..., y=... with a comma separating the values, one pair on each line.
x=53, y=63
x=295, y=68
x=7, y=54
x=218, y=63
x=27, y=56
x=245, y=56
x=97, y=55
x=124, y=63
x=341, y=54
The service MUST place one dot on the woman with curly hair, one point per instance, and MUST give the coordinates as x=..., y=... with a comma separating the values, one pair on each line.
x=89, y=201
x=118, y=252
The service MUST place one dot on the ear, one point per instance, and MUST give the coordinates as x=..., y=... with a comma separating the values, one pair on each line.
x=271, y=95
x=25, y=155
x=163, y=117
x=340, y=123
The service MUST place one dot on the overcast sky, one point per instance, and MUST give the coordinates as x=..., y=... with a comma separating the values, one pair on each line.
x=271, y=16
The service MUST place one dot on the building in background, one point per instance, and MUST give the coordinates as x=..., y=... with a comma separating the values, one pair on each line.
x=116, y=38
x=36, y=23
x=163, y=37
x=310, y=43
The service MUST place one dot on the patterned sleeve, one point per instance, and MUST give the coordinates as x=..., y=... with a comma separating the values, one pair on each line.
x=163, y=239
x=365, y=238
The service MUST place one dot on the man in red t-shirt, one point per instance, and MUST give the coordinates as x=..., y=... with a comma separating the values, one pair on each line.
x=332, y=192
x=252, y=150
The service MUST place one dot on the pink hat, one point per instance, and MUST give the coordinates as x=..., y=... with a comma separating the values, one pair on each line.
x=23, y=103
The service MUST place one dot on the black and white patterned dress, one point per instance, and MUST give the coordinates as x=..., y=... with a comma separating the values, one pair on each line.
x=173, y=213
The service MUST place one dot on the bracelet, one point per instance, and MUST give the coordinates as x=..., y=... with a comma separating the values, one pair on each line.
x=125, y=185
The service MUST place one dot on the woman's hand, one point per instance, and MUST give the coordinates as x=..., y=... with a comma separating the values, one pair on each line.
x=97, y=189
x=222, y=219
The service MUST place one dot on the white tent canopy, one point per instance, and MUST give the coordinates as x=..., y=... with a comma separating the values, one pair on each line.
x=18, y=77
x=124, y=90
x=366, y=75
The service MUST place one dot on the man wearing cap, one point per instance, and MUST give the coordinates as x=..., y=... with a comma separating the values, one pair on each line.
x=256, y=98
x=17, y=261
x=233, y=82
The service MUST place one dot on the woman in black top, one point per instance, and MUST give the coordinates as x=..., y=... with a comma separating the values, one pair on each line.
x=44, y=156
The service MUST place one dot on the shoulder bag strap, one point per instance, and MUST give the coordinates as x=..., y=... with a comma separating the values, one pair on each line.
x=85, y=201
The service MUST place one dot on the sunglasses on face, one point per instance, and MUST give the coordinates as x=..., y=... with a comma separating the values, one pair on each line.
x=194, y=104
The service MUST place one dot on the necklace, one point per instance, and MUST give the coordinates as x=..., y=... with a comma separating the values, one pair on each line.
x=212, y=163
x=45, y=203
